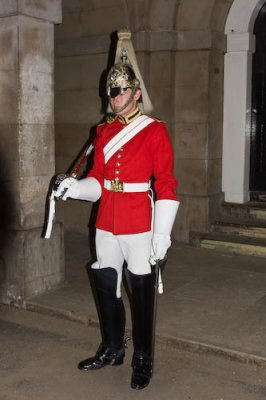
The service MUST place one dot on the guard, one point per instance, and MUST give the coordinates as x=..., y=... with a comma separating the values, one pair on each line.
x=131, y=148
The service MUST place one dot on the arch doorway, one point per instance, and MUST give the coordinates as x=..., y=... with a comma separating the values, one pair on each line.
x=238, y=123
x=258, y=116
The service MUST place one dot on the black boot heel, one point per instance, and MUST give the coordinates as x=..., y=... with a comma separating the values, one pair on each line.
x=118, y=360
x=104, y=356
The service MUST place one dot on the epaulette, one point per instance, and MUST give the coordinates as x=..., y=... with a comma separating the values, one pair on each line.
x=101, y=123
x=110, y=118
x=158, y=119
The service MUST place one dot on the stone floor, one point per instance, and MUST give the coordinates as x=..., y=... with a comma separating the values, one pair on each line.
x=212, y=301
x=40, y=353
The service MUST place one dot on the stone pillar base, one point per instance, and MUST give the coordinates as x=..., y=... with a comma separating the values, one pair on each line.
x=29, y=264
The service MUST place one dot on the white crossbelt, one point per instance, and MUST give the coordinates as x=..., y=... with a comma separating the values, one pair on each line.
x=128, y=187
x=125, y=135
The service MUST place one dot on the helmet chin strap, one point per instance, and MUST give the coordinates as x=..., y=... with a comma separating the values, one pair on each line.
x=133, y=92
x=126, y=103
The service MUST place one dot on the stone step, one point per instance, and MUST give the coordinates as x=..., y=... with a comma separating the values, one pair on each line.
x=240, y=229
x=235, y=248
x=253, y=211
x=258, y=213
x=230, y=243
x=244, y=228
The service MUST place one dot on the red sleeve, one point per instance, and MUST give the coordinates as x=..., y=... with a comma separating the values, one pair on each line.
x=163, y=164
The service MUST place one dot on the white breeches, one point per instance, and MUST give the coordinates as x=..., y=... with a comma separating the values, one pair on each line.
x=113, y=250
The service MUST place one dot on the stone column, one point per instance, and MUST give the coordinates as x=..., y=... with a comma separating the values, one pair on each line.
x=198, y=98
x=29, y=265
x=237, y=116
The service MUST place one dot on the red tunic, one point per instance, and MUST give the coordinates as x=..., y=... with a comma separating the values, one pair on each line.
x=148, y=154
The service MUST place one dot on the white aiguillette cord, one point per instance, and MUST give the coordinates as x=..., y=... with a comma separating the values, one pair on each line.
x=50, y=217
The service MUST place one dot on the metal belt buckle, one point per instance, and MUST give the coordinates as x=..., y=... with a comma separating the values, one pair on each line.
x=116, y=185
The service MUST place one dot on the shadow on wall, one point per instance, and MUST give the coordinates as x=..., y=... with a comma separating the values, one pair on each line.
x=7, y=219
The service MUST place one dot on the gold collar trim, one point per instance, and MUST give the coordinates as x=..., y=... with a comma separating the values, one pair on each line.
x=130, y=117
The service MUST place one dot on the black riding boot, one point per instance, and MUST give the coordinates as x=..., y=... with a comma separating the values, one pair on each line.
x=142, y=288
x=112, y=320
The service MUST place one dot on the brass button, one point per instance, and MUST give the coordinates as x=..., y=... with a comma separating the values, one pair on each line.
x=117, y=172
x=118, y=155
x=118, y=164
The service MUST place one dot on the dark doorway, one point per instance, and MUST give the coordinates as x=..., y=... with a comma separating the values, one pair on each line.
x=258, y=122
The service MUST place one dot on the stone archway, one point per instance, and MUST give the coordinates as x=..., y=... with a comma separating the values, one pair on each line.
x=237, y=99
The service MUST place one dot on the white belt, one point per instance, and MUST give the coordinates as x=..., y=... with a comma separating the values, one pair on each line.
x=117, y=186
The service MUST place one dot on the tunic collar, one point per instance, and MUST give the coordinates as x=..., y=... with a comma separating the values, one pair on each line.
x=130, y=117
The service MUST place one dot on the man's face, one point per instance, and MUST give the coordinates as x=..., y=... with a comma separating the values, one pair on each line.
x=120, y=100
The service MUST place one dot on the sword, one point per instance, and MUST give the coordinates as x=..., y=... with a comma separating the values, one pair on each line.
x=73, y=172
x=158, y=288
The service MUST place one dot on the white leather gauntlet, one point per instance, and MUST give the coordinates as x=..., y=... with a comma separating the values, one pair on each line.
x=164, y=217
x=88, y=189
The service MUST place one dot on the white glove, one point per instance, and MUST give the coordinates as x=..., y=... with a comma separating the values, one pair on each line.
x=164, y=217
x=67, y=188
x=160, y=245
x=88, y=189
